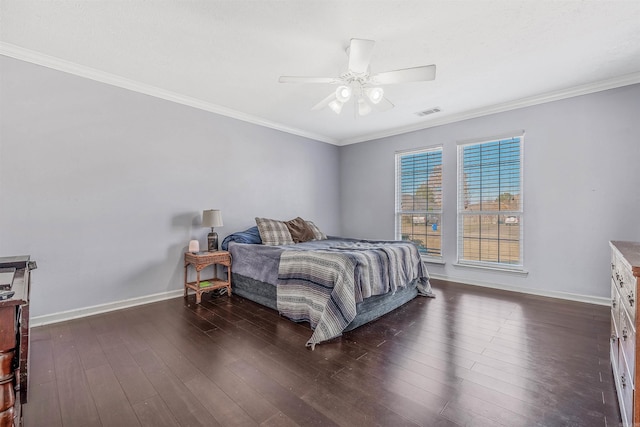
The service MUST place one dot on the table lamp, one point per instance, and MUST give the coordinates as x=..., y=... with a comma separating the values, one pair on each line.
x=212, y=218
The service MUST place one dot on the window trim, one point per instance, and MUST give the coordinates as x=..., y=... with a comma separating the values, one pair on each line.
x=487, y=265
x=437, y=259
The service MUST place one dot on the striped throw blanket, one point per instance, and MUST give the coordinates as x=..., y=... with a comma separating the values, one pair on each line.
x=324, y=286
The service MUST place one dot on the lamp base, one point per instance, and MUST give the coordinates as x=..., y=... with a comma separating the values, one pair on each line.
x=212, y=241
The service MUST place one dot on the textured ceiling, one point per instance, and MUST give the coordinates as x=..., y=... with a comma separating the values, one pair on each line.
x=226, y=56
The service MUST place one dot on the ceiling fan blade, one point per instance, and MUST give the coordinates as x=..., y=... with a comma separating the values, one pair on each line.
x=406, y=75
x=360, y=55
x=383, y=105
x=320, y=105
x=297, y=79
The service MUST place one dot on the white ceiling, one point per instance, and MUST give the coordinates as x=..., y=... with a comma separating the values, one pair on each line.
x=226, y=56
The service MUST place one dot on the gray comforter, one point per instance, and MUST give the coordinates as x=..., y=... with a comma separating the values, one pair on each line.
x=321, y=281
x=323, y=286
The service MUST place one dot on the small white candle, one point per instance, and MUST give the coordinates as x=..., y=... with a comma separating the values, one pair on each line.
x=194, y=246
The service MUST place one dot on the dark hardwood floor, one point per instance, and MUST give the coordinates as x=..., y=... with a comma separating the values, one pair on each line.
x=472, y=356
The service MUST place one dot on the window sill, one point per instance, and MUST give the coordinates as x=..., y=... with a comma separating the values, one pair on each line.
x=433, y=260
x=517, y=271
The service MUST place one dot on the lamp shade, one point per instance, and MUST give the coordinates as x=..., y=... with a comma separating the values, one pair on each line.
x=212, y=218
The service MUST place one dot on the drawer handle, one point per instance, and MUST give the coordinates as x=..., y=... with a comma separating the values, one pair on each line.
x=623, y=381
x=624, y=333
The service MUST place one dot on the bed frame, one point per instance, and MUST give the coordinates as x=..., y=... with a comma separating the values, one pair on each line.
x=368, y=310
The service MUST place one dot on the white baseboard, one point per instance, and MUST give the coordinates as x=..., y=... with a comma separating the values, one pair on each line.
x=132, y=302
x=102, y=308
x=589, y=299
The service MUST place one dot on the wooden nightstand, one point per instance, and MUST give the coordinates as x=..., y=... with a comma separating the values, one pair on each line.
x=201, y=260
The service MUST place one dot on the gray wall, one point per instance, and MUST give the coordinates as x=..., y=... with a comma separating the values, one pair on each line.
x=581, y=188
x=104, y=187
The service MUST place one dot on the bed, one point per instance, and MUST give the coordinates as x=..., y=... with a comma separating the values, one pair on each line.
x=336, y=284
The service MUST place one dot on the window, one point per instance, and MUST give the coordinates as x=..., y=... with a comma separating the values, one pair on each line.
x=419, y=199
x=490, y=202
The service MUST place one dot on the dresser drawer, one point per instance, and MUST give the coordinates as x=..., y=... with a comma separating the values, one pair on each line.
x=614, y=344
x=8, y=329
x=625, y=283
x=615, y=325
x=627, y=339
x=625, y=396
x=616, y=307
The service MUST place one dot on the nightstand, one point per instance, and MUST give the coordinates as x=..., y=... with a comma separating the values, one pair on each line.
x=201, y=260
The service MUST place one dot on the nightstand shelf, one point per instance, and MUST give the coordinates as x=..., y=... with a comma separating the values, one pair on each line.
x=201, y=260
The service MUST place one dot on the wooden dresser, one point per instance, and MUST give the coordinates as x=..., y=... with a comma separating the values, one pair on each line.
x=625, y=274
x=14, y=343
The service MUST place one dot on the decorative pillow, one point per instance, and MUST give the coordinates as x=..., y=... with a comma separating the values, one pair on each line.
x=273, y=233
x=300, y=230
x=318, y=235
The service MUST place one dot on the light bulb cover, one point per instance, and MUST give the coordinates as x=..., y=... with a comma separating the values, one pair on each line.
x=336, y=106
x=375, y=94
x=343, y=93
x=363, y=107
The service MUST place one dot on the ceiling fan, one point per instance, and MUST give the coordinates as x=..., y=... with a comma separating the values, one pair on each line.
x=359, y=84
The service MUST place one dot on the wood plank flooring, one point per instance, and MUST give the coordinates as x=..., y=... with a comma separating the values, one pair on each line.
x=470, y=357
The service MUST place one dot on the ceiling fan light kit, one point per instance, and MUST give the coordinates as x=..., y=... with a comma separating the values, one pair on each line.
x=358, y=83
x=343, y=93
x=336, y=106
x=363, y=107
x=375, y=94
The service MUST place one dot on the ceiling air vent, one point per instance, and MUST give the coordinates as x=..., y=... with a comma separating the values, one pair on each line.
x=427, y=112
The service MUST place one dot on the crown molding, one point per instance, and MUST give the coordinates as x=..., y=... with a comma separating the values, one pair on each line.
x=38, y=58
x=625, y=80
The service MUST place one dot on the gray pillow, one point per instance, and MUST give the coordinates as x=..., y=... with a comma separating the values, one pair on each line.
x=318, y=235
x=273, y=232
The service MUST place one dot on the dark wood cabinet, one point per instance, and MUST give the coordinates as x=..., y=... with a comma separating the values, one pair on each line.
x=14, y=345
